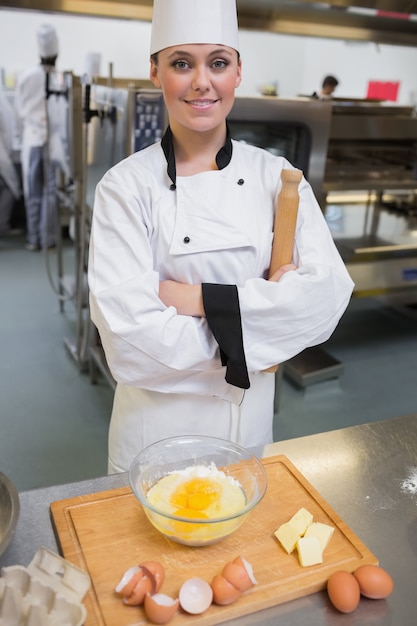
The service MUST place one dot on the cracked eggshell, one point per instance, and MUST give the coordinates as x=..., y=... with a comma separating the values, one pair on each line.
x=160, y=608
x=142, y=587
x=155, y=572
x=195, y=596
x=128, y=581
x=239, y=572
x=139, y=580
x=223, y=591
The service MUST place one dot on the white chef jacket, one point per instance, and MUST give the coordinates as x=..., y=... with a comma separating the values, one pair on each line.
x=37, y=126
x=212, y=227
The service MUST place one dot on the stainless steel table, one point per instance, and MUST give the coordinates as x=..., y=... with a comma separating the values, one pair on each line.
x=367, y=473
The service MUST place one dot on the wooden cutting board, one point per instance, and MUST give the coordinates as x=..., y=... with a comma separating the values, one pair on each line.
x=106, y=533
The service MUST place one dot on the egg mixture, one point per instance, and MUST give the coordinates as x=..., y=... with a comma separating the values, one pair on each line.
x=198, y=492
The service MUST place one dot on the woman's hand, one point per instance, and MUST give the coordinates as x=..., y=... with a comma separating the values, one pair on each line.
x=187, y=299
x=281, y=271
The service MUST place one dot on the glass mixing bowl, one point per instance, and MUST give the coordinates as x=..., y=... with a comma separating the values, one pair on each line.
x=202, y=469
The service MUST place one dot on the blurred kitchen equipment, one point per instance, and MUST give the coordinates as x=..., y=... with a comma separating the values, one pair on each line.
x=108, y=119
x=371, y=181
x=9, y=511
x=295, y=128
x=372, y=146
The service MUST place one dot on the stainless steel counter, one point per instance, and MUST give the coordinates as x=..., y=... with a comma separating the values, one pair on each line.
x=368, y=474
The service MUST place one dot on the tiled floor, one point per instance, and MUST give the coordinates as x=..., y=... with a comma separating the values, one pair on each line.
x=53, y=422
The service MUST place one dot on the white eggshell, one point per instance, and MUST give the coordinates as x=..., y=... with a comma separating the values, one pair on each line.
x=195, y=596
x=127, y=578
x=160, y=608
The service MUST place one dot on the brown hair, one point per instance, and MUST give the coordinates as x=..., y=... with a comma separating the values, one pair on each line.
x=330, y=81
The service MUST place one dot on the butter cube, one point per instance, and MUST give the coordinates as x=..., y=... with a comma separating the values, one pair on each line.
x=309, y=551
x=323, y=532
x=288, y=536
x=301, y=521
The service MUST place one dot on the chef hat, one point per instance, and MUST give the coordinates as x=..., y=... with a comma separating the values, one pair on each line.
x=92, y=62
x=47, y=41
x=177, y=22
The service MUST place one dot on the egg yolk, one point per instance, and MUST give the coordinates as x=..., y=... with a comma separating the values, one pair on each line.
x=194, y=496
x=198, y=494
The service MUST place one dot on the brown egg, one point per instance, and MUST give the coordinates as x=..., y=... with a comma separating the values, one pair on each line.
x=374, y=582
x=154, y=571
x=137, y=597
x=240, y=574
x=160, y=608
x=223, y=591
x=343, y=590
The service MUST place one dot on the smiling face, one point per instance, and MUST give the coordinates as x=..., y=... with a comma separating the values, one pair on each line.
x=198, y=82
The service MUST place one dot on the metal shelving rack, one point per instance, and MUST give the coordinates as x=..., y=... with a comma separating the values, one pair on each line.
x=73, y=211
x=105, y=124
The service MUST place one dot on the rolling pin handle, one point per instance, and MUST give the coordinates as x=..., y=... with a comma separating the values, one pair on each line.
x=284, y=226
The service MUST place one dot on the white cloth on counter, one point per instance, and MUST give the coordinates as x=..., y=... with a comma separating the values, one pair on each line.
x=215, y=227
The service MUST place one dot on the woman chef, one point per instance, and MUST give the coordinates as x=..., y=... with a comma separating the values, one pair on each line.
x=179, y=255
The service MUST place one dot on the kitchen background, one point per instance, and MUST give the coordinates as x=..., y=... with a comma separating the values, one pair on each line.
x=53, y=421
x=294, y=64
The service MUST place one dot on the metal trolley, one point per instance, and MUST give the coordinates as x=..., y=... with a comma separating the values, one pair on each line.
x=108, y=119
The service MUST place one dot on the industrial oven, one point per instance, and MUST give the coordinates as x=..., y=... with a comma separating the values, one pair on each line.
x=296, y=128
x=372, y=148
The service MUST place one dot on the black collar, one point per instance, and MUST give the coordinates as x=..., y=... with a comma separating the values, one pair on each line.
x=223, y=157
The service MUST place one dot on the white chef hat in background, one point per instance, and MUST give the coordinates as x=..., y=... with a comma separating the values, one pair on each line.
x=92, y=63
x=177, y=22
x=47, y=41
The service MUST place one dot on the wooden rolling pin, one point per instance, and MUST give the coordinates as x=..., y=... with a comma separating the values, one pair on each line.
x=284, y=225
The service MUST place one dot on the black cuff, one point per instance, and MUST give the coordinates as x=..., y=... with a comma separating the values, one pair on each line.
x=221, y=305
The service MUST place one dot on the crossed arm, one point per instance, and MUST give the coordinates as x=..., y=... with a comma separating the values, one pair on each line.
x=188, y=299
